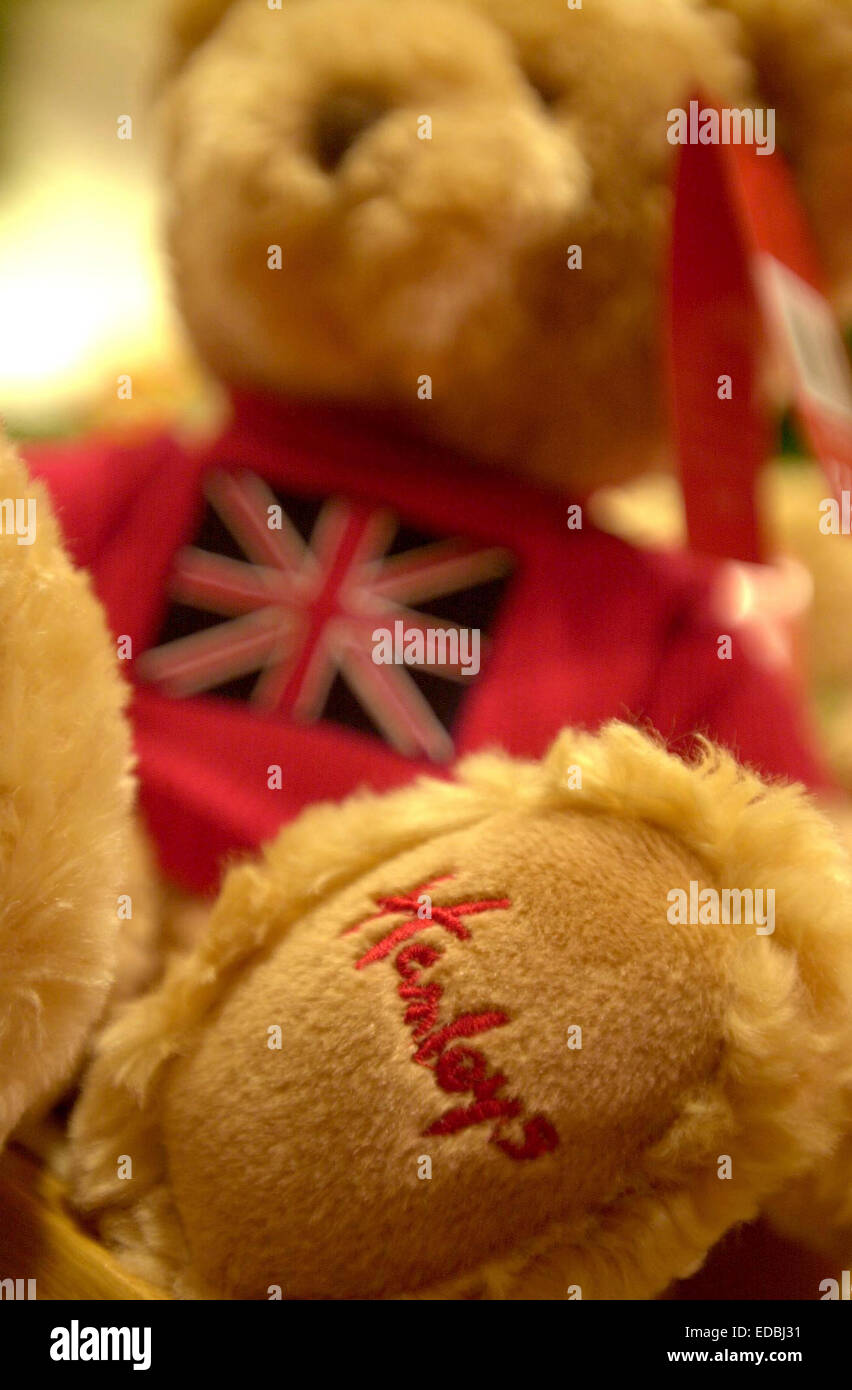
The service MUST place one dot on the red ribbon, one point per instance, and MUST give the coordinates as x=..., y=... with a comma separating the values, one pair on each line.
x=745, y=283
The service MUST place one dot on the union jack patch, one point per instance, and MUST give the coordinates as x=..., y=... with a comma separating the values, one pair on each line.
x=277, y=602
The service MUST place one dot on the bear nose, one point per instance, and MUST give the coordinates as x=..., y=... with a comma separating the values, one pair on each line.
x=343, y=117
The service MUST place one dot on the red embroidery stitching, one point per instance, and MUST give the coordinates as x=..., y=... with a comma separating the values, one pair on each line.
x=460, y=1118
x=465, y=1026
x=446, y=917
x=424, y=1014
x=540, y=1137
x=444, y=878
x=426, y=955
x=456, y=1069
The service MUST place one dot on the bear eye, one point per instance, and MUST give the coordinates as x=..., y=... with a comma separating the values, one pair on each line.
x=340, y=120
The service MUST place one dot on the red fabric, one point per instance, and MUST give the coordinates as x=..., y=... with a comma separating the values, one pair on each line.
x=590, y=628
x=716, y=329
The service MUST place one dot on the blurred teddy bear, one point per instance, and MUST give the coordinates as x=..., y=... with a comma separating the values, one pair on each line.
x=67, y=845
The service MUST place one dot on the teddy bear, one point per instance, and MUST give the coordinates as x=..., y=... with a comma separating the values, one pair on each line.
x=433, y=1046
x=455, y=1035
x=69, y=847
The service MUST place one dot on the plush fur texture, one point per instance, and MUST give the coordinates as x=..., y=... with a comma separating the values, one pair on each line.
x=66, y=848
x=548, y=131
x=747, y=1050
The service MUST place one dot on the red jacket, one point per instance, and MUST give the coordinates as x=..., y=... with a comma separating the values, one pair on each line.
x=252, y=649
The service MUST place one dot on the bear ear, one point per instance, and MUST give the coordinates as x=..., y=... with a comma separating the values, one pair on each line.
x=186, y=24
x=801, y=54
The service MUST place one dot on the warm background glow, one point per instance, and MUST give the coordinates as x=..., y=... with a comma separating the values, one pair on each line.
x=83, y=285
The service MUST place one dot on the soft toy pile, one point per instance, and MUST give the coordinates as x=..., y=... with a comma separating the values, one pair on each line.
x=549, y=1021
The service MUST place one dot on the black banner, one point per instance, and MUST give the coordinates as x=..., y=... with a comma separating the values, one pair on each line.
x=86, y=1339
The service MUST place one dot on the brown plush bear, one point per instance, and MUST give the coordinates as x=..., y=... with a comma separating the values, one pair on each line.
x=458, y=1041
x=497, y=1035
x=67, y=846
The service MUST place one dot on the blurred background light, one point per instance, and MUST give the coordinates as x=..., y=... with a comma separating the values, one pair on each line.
x=83, y=285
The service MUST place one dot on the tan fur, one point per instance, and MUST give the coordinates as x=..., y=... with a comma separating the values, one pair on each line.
x=65, y=796
x=745, y=1049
